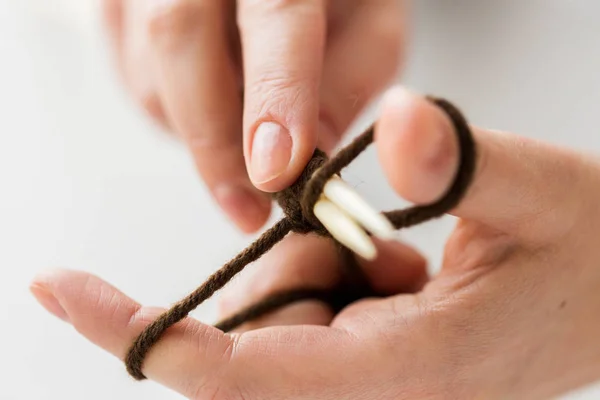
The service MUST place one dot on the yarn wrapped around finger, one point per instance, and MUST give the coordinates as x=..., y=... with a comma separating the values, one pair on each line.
x=297, y=203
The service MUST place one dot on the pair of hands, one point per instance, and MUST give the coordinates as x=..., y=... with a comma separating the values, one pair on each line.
x=512, y=314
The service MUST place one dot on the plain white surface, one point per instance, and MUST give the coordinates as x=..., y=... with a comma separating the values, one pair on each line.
x=88, y=183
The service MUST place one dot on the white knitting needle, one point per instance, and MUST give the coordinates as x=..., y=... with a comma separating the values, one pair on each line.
x=346, y=198
x=344, y=229
x=342, y=211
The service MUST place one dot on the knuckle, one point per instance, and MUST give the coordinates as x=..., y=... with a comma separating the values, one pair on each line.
x=279, y=93
x=175, y=19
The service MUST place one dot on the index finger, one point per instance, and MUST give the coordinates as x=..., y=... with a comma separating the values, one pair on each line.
x=194, y=359
x=188, y=359
x=283, y=44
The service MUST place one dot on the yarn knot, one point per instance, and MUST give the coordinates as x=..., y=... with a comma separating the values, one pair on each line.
x=297, y=201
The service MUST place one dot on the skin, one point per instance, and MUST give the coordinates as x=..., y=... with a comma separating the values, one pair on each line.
x=512, y=314
x=306, y=68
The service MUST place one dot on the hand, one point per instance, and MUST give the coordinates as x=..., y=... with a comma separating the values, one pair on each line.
x=512, y=314
x=309, y=67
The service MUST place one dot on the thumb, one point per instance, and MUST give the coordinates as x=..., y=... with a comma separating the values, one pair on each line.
x=521, y=186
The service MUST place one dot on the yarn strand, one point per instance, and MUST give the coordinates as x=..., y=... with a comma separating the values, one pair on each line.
x=297, y=202
x=153, y=332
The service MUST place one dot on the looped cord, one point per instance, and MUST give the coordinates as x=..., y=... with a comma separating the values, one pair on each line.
x=297, y=202
x=291, y=200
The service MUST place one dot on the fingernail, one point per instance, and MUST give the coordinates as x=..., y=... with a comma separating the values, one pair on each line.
x=271, y=152
x=45, y=297
x=246, y=208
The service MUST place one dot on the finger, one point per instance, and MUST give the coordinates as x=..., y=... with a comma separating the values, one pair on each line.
x=199, y=89
x=112, y=17
x=137, y=66
x=112, y=321
x=313, y=262
x=361, y=59
x=296, y=262
x=520, y=185
x=283, y=44
x=398, y=268
x=196, y=360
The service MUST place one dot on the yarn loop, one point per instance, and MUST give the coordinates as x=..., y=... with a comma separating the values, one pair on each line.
x=297, y=203
x=291, y=199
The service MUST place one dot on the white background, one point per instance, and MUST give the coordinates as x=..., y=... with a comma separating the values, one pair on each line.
x=87, y=182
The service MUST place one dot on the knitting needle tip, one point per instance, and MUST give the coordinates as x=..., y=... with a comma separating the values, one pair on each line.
x=344, y=229
x=347, y=199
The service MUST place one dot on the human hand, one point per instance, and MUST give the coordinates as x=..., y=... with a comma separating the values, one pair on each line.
x=309, y=67
x=512, y=314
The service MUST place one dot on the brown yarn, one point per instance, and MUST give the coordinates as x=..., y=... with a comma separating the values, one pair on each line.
x=297, y=203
